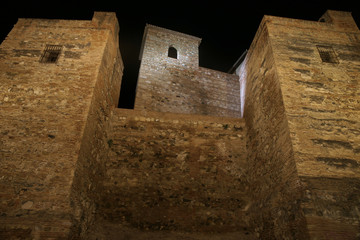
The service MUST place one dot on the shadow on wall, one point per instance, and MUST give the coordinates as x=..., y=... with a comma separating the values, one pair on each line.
x=128, y=87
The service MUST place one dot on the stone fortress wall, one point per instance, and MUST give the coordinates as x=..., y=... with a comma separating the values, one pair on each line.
x=182, y=164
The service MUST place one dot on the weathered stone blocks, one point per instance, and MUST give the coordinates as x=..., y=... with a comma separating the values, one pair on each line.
x=49, y=112
x=176, y=172
x=311, y=107
x=182, y=164
x=179, y=85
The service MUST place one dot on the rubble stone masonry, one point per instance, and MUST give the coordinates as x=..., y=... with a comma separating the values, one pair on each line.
x=182, y=164
x=308, y=101
x=322, y=102
x=273, y=181
x=176, y=172
x=53, y=118
x=179, y=85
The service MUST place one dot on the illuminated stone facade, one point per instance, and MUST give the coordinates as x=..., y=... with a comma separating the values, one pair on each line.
x=182, y=164
x=53, y=118
x=302, y=118
x=179, y=85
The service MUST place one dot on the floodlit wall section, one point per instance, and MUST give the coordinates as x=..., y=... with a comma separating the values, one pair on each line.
x=179, y=85
x=44, y=115
x=318, y=65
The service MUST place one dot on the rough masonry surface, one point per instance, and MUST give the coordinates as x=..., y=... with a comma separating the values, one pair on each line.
x=182, y=164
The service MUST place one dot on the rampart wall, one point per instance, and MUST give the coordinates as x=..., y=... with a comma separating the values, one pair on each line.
x=176, y=172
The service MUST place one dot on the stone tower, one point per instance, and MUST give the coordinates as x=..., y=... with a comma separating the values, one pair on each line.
x=59, y=81
x=175, y=83
x=182, y=164
x=302, y=112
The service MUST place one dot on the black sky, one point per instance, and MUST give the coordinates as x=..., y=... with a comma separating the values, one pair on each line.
x=226, y=27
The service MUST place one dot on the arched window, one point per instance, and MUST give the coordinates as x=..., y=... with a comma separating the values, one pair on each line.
x=172, y=52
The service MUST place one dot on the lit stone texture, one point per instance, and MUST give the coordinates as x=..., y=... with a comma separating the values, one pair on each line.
x=53, y=122
x=302, y=118
x=179, y=85
x=182, y=164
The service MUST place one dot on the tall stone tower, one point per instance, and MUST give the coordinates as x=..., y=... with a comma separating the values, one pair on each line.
x=59, y=81
x=182, y=164
x=170, y=79
x=302, y=112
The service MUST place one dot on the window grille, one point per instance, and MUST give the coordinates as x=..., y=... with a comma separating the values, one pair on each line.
x=172, y=52
x=51, y=54
x=327, y=54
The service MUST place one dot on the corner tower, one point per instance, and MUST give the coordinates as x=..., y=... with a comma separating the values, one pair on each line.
x=60, y=80
x=302, y=118
x=170, y=79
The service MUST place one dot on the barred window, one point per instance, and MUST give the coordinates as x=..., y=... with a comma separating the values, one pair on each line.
x=51, y=54
x=327, y=54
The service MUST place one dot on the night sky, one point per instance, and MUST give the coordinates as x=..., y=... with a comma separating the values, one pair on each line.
x=226, y=27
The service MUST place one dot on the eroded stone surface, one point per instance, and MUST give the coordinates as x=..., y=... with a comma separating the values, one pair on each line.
x=176, y=172
x=179, y=85
x=180, y=166
x=302, y=121
x=44, y=115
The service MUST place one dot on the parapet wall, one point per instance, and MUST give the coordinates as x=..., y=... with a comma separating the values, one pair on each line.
x=176, y=172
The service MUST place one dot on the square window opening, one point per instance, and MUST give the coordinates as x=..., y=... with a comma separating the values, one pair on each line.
x=327, y=54
x=51, y=54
